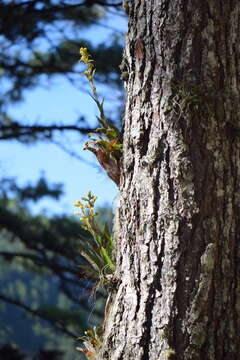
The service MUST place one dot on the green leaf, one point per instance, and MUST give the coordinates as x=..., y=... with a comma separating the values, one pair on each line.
x=98, y=239
x=106, y=231
x=102, y=144
x=117, y=146
x=95, y=264
x=89, y=271
x=107, y=259
x=91, y=255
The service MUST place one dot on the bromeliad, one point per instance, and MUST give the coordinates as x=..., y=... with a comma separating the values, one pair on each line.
x=105, y=140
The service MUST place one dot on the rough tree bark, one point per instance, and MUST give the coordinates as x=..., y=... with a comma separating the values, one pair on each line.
x=178, y=255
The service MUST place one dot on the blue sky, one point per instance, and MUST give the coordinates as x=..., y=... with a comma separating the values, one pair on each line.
x=59, y=101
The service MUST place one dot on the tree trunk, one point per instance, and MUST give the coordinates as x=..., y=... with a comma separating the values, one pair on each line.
x=178, y=256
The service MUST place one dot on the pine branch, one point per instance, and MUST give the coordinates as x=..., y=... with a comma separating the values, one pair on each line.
x=64, y=6
x=47, y=262
x=38, y=313
x=25, y=230
x=16, y=131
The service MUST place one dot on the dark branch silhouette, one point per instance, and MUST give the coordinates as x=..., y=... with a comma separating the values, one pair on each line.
x=41, y=314
x=16, y=131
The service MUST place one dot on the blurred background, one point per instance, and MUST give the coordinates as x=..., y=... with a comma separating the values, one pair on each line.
x=45, y=114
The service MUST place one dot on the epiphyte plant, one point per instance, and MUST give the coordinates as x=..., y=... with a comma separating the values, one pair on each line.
x=97, y=250
x=92, y=342
x=105, y=140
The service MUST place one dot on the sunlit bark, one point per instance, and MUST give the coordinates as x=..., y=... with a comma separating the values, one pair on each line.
x=178, y=256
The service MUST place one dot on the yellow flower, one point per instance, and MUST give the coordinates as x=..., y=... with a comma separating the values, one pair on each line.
x=89, y=74
x=85, y=56
x=86, y=59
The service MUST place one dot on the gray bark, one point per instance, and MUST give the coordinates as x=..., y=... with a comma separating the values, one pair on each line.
x=178, y=255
